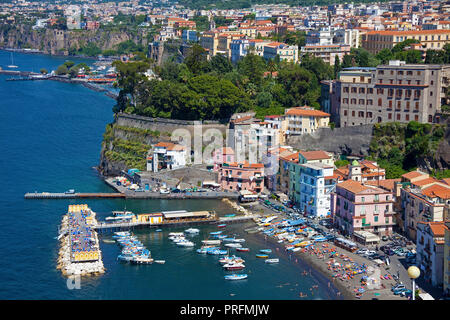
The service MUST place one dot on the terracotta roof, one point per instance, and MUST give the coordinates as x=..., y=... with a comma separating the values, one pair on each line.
x=242, y=119
x=301, y=111
x=446, y=181
x=352, y=186
x=437, y=190
x=411, y=32
x=368, y=164
x=314, y=155
x=225, y=150
x=424, y=182
x=437, y=228
x=169, y=146
x=293, y=157
x=387, y=184
x=412, y=175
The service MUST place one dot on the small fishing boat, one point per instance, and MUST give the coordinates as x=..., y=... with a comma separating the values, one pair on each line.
x=125, y=257
x=108, y=241
x=142, y=260
x=262, y=256
x=234, y=266
x=185, y=243
x=243, y=249
x=160, y=261
x=233, y=245
x=236, y=276
x=265, y=251
x=158, y=230
x=229, y=239
x=239, y=240
x=296, y=249
x=221, y=225
x=217, y=252
x=229, y=215
x=228, y=259
x=175, y=234
x=215, y=232
x=272, y=260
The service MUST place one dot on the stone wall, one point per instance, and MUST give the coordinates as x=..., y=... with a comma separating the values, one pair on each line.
x=353, y=140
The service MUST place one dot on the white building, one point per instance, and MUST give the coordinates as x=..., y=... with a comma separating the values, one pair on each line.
x=166, y=155
x=73, y=16
x=316, y=184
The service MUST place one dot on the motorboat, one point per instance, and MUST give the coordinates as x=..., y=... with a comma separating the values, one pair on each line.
x=142, y=260
x=276, y=260
x=192, y=231
x=229, y=239
x=243, y=249
x=211, y=241
x=229, y=259
x=239, y=240
x=160, y=261
x=262, y=256
x=215, y=232
x=229, y=215
x=185, y=243
x=221, y=226
x=217, y=252
x=175, y=234
x=234, y=266
x=236, y=276
x=265, y=251
x=233, y=245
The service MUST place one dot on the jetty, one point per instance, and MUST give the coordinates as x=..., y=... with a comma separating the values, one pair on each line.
x=170, y=219
x=65, y=195
x=79, y=253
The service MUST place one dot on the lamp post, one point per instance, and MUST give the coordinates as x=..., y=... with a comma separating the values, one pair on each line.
x=413, y=273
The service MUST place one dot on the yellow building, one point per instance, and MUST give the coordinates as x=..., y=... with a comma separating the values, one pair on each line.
x=305, y=120
x=153, y=218
x=375, y=41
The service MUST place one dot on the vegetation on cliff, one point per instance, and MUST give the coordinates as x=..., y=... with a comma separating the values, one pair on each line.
x=397, y=146
x=200, y=88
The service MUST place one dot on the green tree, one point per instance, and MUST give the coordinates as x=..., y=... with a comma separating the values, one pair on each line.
x=61, y=70
x=196, y=60
x=221, y=64
x=252, y=66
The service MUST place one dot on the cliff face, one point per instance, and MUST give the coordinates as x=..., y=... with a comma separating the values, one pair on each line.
x=52, y=41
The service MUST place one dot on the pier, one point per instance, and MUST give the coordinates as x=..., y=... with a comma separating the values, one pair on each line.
x=48, y=195
x=105, y=227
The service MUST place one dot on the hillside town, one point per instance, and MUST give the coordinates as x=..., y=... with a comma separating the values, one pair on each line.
x=259, y=159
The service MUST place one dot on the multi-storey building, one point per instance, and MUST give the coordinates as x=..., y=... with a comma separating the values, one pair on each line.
x=430, y=245
x=362, y=171
x=317, y=181
x=427, y=204
x=284, y=51
x=305, y=120
x=358, y=207
x=327, y=53
x=166, y=155
x=283, y=176
x=242, y=176
x=395, y=92
x=375, y=41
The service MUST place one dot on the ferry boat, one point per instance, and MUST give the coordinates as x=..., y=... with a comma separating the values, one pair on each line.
x=262, y=256
x=234, y=266
x=265, y=251
x=243, y=249
x=236, y=276
x=276, y=260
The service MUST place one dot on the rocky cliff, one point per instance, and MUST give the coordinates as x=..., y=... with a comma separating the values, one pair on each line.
x=52, y=41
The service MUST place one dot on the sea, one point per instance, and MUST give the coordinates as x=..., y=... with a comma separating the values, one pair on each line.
x=50, y=140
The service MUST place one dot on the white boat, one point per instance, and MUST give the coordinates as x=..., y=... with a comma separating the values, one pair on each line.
x=211, y=241
x=185, y=243
x=12, y=62
x=179, y=239
x=176, y=234
x=233, y=245
x=160, y=261
x=236, y=276
x=296, y=249
x=192, y=231
x=234, y=266
x=272, y=260
x=239, y=240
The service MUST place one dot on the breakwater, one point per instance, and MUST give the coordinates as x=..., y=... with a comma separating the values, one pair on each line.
x=79, y=252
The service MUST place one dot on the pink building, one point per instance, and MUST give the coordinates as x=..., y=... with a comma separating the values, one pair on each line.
x=358, y=207
x=242, y=176
x=221, y=156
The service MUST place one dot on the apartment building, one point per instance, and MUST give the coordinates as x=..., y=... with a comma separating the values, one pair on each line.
x=327, y=53
x=241, y=47
x=317, y=181
x=430, y=245
x=358, y=207
x=396, y=92
x=284, y=51
x=364, y=171
x=166, y=155
x=446, y=278
x=283, y=178
x=424, y=204
x=305, y=120
x=375, y=41
x=240, y=176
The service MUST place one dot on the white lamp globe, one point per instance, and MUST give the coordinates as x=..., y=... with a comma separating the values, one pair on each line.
x=413, y=272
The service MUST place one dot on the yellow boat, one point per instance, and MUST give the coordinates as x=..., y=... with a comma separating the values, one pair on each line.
x=304, y=243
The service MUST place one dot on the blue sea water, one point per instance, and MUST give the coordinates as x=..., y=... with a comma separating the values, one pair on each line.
x=50, y=140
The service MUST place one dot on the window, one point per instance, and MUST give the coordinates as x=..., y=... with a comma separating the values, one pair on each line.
x=417, y=105
x=399, y=104
x=390, y=116
x=398, y=116
x=390, y=104
x=363, y=199
x=376, y=218
x=353, y=113
x=362, y=90
x=430, y=118
x=407, y=105
x=361, y=101
x=379, y=102
x=345, y=112
x=416, y=118
x=407, y=117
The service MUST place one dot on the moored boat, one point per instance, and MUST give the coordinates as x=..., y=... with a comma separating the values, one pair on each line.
x=234, y=266
x=233, y=245
x=236, y=276
x=276, y=260
x=265, y=251
x=262, y=256
x=221, y=225
x=211, y=241
x=160, y=261
x=243, y=249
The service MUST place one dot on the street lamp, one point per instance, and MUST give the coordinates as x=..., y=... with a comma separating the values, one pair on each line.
x=413, y=273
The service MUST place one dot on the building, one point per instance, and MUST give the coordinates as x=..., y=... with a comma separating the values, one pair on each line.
x=429, y=203
x=430, y=246
x=364, y=171
x=239, y=176
x=317, y=181
x=358, y=207
x=221, y=156
x=239, y=48
x=446, y=280
x=166, y=155
x=73, y=16
x=282, y=50
x=323, y=37
x=283, y=176
x=305, y=120
x=271, y=161
x=396, y=92
x=327, y=53
x=189, y=35
x=375, y=41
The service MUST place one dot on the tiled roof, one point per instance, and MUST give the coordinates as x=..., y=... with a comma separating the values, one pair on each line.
x=424, y=182
x=437, y=190
x=301, y=111
x=387, y=184
x=169, y=146
x=352, y=186
x=412, y=174
x=315, y=155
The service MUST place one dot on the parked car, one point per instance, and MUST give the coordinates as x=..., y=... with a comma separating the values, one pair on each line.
x=398, y=286
x=362, y=251
x=385, y=238
x=399, y=291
